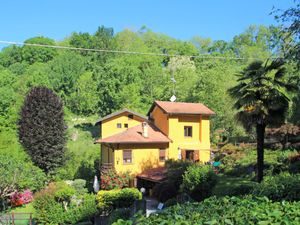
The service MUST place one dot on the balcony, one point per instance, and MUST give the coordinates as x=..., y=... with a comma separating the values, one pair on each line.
x=106, y=166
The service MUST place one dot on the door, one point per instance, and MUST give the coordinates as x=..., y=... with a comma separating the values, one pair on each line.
x=191, y=155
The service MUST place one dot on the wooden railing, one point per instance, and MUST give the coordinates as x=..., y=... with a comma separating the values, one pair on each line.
x=106, y=166
x=15, y=218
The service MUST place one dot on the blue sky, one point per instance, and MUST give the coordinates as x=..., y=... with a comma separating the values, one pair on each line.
x=182, y=19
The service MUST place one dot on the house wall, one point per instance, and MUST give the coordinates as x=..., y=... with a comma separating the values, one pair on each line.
x=200, y=139
x=160, y=120
x=144, y=156
x=109, y=127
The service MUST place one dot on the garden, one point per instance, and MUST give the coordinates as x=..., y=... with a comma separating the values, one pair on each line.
x=51, y=97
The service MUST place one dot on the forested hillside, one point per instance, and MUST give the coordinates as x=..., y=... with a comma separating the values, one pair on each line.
x=94, y=84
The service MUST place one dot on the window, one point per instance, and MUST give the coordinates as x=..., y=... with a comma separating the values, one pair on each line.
x=126, y=125
x=162, y=155
x=188, y=131
x=119, y=125
x=130, y=116
x=127, y=156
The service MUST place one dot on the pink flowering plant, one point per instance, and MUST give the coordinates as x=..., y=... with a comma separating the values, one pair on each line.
x=110, y=179
x=21, y=198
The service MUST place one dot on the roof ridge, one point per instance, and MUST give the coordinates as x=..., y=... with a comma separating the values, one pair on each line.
x=119, y=112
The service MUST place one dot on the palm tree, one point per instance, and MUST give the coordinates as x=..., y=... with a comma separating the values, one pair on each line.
x=261, y=100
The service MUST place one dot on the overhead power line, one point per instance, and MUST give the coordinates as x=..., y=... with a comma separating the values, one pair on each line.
x=204, y=56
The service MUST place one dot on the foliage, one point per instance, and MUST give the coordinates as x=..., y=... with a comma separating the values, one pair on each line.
x=291, y=28
x=121, y=213
x=79, y=185
x=226, y=210
x=164, y=191
x=198, y=181
x=50, y=210
x=17, y=174
x=84, y=99
x=21, y=198
x=281, y=187
x=33, y=54
x=174, y=175
x=42, y=128
x=117, y=198
x=262, y=99
x=175, y=171
x=244, y=164
x=110, y=179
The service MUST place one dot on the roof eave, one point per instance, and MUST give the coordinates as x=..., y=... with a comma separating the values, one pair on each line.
x=120, y=112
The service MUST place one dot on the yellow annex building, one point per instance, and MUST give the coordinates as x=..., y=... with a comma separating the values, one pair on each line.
x=172, y=130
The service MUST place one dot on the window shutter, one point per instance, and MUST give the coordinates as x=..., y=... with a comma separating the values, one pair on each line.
x=183, y=154
x=196, y=155
x=126, y=154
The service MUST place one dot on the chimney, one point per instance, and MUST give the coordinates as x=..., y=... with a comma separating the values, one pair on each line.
x=145, y=129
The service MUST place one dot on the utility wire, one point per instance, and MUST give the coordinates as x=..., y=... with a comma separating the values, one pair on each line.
x=204, y=56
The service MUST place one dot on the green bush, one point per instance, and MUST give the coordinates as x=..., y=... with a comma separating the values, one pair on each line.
x=281, y=187
x=18, y=174
x=171, y=186
x=60, y=204
x=198, y=181
x=225, y=210
x=121, y=213
x=175, y=170
x=79, y=185
x=164, y=191
x=117, y=198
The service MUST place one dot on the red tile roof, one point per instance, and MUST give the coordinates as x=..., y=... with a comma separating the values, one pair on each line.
x=154, y=174
x=182, y=108
x=134, y=135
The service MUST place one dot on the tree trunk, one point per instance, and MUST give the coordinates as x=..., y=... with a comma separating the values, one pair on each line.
x=260, y=132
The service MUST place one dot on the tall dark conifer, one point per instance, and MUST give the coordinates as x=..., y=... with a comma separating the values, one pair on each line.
x=42, y=128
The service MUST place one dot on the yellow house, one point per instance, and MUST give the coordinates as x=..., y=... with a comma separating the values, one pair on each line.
x=172, y=130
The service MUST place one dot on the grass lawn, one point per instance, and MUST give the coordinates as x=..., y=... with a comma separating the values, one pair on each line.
x=226, y=184
x=22, y=219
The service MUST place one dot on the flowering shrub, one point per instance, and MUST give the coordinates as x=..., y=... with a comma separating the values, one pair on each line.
x=59, y=203
x=110, y=179
x=21, y=198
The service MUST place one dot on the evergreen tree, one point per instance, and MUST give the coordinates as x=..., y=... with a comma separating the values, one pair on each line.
x=262, y=99
x=42, y=128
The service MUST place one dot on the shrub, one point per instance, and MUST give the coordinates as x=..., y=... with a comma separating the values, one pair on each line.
x=50, y=205
x=18, y=174
x=110, y=179
x=79, y=185
x=226, y=210
x=121, y=213
x=281, y=187
x=230, y=149
x=198, y=181
x=175, y=170
x=117, y=198
x=170, y=187
x=21, y=198
x=164, y=191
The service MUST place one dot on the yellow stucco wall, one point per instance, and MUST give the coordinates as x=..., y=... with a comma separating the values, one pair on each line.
x=200, y=139
x=109, y=126
x=143, y=157
x=147, y=155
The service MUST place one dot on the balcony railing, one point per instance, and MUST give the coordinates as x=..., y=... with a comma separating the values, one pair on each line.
x=106, y=166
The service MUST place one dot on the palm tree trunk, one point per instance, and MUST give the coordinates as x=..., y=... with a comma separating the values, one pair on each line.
x=260, y=132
